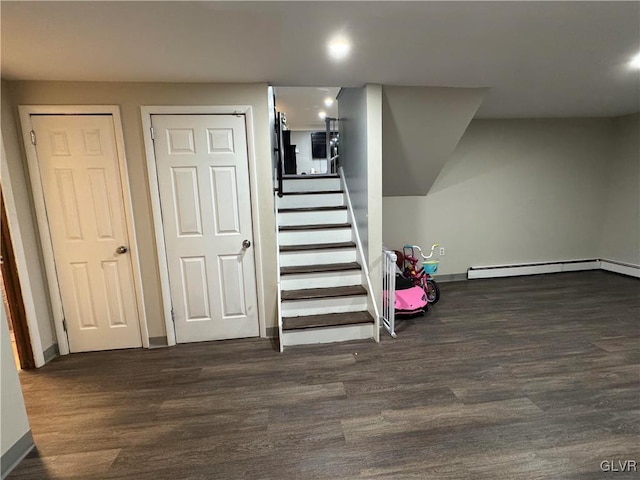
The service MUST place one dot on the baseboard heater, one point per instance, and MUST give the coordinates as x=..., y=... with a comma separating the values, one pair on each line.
x=553, y=267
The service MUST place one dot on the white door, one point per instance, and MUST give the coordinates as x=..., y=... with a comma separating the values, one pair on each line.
x=80, y=176
x=203, y=178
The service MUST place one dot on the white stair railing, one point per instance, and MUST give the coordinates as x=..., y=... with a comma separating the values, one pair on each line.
x=389, y=291
x=365, y=268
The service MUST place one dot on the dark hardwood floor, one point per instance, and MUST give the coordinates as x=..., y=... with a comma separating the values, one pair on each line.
x=522, y=378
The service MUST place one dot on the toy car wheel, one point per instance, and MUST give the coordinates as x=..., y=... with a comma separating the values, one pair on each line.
x=433, y=291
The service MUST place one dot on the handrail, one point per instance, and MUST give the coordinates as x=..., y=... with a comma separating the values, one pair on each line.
x=280, y=165
x=360, y=250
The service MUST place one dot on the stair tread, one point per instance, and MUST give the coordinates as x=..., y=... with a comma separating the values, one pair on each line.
x=322, y=192
x=329, y=267
x=313, y=293
x=327, y=320
x=309, y=177
x=311, y=209
x=317, y=246
x=322, y=226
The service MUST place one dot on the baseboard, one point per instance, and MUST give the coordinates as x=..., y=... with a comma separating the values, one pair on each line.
x=450, y=277
x=158, y=342
x=50, y=353
x=620, y=267
x=15, y=454
x=552, y=267
x=272, y=332
x=532, y=268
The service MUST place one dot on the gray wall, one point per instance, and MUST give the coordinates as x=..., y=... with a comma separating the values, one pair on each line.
x=130, y=97
x=421, y=126
x=620, y=222
x=514, y=191
x=360, y=112
x=352, y=107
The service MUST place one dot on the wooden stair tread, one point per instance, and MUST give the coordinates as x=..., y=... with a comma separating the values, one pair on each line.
x=330, y=267
x=322, y=226
x=310, y=177
x=311, y=209
x=313, y=293
x=322, y=192
x=317, y=246
x=327, y=320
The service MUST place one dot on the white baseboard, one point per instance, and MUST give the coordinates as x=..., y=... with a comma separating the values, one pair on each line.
x=618, y=267
x=532, y=269
x=498, y=271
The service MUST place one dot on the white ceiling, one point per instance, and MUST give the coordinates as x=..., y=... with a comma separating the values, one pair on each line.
x=303, y=104
x=538, y=58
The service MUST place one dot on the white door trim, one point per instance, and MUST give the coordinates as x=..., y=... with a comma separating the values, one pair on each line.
x=41, y=213
x=146, y=112
x=21, y=260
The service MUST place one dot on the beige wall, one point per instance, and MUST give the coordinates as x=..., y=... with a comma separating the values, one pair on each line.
x=130, y=97
x=620, y=223
x=514, y=191
x=13, y=415
x=421, y=127
x=20, y=208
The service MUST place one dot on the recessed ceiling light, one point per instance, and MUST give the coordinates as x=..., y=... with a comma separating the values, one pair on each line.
x=328, y=101
x=339, y=48
x=322, y=115
x=635, y=62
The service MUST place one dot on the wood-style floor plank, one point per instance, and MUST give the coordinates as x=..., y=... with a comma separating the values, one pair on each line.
x=519, y=378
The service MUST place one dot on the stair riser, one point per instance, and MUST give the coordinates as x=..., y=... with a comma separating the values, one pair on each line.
x=318, y=306
x=327, y=334
x=300, y=281
x=311, y=237
x=311, y=185
x=310, y=201
x=317, y=257
x=312, y=218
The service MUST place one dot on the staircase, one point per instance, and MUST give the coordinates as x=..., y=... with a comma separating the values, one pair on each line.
x=322, y=295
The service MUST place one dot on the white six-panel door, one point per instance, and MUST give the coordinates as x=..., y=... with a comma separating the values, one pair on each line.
x=83, y=195
x=203, y=179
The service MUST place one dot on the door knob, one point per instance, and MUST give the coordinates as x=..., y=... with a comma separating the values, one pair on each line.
x=246, y=244
x=121, y=250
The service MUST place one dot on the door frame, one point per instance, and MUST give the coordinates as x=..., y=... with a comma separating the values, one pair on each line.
x=41, y=213
x=154, y=190
x=16, y=313
x=21, y=261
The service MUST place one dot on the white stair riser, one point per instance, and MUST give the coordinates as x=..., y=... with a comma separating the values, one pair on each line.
x=317, y=257
x=312, y=218
x=311, y=237
x=308, y=201
x=319, y=306
x=311, y=185
x=301, y=281
x=328, y=334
